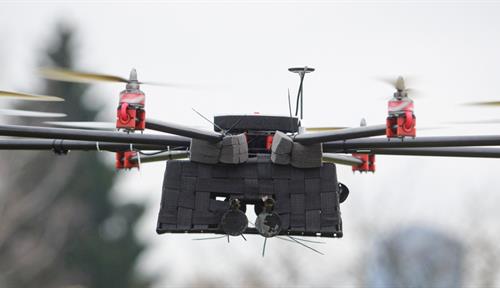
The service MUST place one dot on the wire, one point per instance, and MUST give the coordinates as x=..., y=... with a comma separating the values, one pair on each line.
x=264, y=247
x=201, y=115
x=152, y=153
x=298, y=242
x=234, y=125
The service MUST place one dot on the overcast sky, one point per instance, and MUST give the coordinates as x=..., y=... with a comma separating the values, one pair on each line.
x=239, y=54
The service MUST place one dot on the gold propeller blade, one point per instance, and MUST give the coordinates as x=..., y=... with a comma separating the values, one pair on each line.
x=485, y=103
x=486, y=121
x=84, y=124
x=26, y=113
x=29, y=97
x=66, y=75
x=321, y=129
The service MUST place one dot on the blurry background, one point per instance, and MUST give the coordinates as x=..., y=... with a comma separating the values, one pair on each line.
x=73, y=221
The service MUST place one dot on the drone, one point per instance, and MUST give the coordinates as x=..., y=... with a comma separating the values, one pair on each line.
x=287, y=172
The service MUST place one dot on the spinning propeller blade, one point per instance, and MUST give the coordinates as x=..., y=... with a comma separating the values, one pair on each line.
x=485, y=103
x=66, y=75
x=29, y=97
x=84, y=124
x=321, y=129
x=26, y=113
x=61, y=74
x=399, y=84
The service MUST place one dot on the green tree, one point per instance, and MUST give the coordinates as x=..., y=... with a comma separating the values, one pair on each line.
x=58, y=226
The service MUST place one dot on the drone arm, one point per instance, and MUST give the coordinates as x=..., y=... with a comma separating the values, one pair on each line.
x=342, y=159
x=342, y=134
x=183, y=130
x=443, y=141
x=473, y=152
x=92, y=135
x=164, y=156
x=60, y=144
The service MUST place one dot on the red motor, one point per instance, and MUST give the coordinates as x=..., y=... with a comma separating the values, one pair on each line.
x=401, y=121
x=124, y=160
x=131, y=115
x=368, y=164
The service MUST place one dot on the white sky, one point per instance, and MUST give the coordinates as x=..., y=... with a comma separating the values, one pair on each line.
x=241, y=52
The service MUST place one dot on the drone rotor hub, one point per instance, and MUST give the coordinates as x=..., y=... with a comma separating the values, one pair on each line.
x=268, y=224
x=234, y=222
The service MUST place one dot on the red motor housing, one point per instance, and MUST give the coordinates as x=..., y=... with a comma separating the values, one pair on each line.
x=131, y=115
x=401, y=121
x=368, y=164
x=123, y=160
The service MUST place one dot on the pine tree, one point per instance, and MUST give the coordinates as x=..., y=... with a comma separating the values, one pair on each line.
x=58, y=226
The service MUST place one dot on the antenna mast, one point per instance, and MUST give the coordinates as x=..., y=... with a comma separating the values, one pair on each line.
x=300, y=94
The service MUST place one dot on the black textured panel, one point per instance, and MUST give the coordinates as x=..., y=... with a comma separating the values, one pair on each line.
x=195, y=196
x=202, y=201
x=313, y=220
x=170, y=198
x=329, y=202
x=281, y=172
x=184, y=218
x=190, y=169
x=285, y=220
x=240, y=123
x=251, y=188
x=297, y=203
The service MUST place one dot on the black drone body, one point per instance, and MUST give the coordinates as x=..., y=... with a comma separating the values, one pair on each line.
x=196, y=195
x=272, y=163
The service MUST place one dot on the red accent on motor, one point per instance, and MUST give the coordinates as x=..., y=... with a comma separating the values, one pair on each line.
x=123, y=160
x=119, y=160
x=371, y=163
x=401, y=121
x=368, y=164
x=269, y=142
x=131, y=115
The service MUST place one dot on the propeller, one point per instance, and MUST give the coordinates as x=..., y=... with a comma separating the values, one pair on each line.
x=322, y=129
x=84, y=124
x=481, y=104
x=66, y=75
x=29, y=97
x=400, y=85
x=485, y=103
x=485, y=121
x=26, y=113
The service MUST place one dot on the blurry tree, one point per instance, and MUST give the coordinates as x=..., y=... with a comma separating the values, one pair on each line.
x=416, y=256
x=58, y=226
